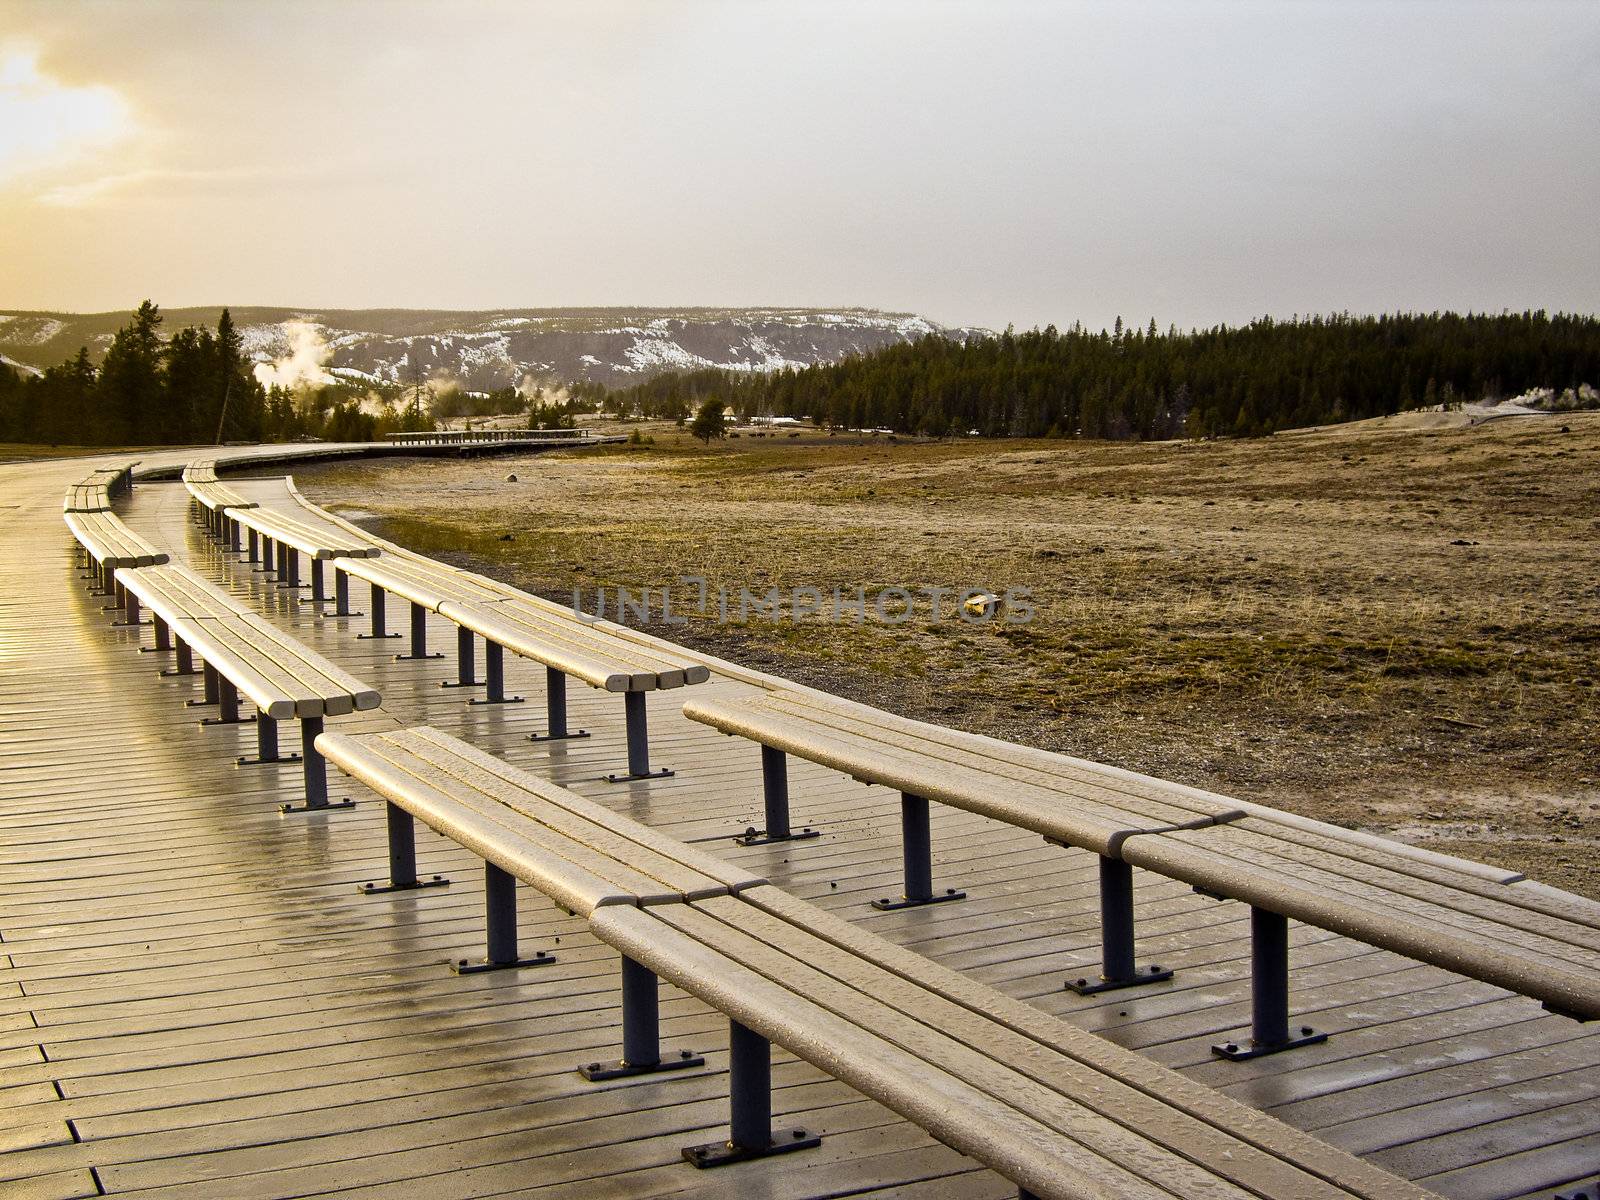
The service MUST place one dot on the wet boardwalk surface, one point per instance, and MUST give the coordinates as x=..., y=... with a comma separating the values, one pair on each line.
x=195, y=1001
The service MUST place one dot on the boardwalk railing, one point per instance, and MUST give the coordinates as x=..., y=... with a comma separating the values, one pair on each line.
x=476, y=437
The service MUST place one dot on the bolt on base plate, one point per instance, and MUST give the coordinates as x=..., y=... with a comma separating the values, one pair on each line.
x=372, y=889
x=462, y=967
x=1242, y=1050
x=888, y=904
x=721, y=1154
x=1143, y=975
x=599, y=1072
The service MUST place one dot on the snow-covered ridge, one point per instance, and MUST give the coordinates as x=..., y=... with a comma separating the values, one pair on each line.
x=503, y=347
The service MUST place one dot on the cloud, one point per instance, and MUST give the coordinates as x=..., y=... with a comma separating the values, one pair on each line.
x=45, y=123
x=153, y=181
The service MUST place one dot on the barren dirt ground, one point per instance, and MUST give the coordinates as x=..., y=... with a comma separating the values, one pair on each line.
x=1391, y=625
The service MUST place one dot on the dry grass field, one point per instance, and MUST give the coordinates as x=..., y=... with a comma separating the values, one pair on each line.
x=1391, y=625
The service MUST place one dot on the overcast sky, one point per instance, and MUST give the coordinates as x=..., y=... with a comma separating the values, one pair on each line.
x=980, y=163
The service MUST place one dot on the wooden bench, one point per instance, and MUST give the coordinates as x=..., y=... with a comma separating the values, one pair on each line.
x=109, y=546
x=1478, y=921
x=599, y=652
x=277, y=539
x=97, y=490
x=567, y=643
x=1058, y=1110
x=212, y=499
x=245, y=655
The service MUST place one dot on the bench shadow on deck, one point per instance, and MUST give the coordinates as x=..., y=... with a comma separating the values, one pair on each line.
x=194, y=998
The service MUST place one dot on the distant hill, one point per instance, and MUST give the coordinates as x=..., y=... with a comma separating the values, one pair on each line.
x=494, y=348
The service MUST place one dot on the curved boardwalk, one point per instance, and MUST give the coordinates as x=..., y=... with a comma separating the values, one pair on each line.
x=194, y=1000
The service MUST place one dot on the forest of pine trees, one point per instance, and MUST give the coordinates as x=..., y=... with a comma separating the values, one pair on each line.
x=195, y=388
x=1133, y=383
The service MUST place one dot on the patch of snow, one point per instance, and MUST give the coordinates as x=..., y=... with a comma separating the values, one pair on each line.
x=21, y=366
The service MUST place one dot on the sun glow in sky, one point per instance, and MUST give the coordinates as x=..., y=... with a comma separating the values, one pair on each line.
x=978, y=161
x=45, y=123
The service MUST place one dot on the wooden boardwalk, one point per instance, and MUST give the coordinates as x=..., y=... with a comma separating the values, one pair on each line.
x=195, y=1001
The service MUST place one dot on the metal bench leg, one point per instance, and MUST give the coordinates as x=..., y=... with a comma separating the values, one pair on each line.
x=253, y=551
x=319, y=587
x=185, y=660
x=500, y=908
x=775, y=799
x=269, y=565
x=466, y=664
x=228, y=705
x=315, y=769
x=916, y=840
x=209, y=693
x=1117, y=967
x=233, y=535
x=380, y=621
x=163, y=636
x=419, y=635
x=555, y=710
x=1269, y=993
x=402, y=857
x=130, y=604
x=494, y=676
x=633, y=710
x=749, y=1108
x=341, y=593
x=266, y=745
x=289, y=567
x=641, y=1031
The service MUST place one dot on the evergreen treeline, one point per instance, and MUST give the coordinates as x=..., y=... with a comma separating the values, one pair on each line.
x=1129, y=383
x=196, y=388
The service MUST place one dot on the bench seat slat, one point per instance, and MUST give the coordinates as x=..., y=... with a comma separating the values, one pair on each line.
x=318, y=541
x=569, y=884
x=1110, y=1117
x=566, y=647
x=173, y=593
x=1138, y=1072
x=317, y=686
x=111, y=543
x=939, y=773
x=413, y=582
x=957, y=1114
x=652, y=877
x=1472, y=908
x=1178, y=804
x=630, y=838
x=1379, y=922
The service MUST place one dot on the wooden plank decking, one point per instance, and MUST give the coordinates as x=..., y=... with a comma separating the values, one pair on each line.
x=194, y=1000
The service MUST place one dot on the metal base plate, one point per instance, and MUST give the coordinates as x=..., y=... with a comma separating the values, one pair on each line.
x=415, y=657
x=228, y=721
x=760, y=837
x=629, y=777
x=600, y=1072
x=1240, y=1051
x=887, y=904
x=373, y=889
x=502, y=700
x=463, y=967
x=255, y=760
x=192, y=671
x=721, y=1154
x=1141, y=976
x=558, y=737
x=371, y=637
x=307, y=807
x=462, y=683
